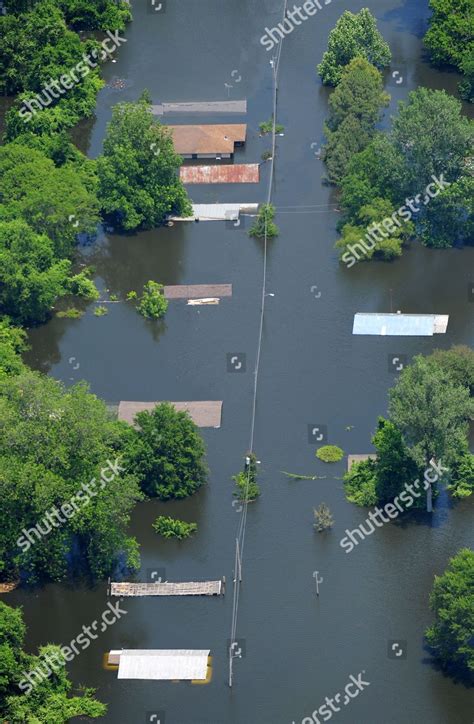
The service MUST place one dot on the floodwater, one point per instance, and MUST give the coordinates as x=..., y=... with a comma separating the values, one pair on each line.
x=299, y=649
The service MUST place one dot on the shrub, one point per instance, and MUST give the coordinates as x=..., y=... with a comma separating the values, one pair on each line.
x=71, y=313
x=267, y=127
x=330, y=453
x=153, y=304
x=264, y=224
x=323, y=518
x=246, y=481
x=100, y=311
x=360, y=482
x=173, y=527
x=82, y=286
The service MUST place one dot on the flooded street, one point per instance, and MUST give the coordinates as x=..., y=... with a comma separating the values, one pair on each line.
x=298, y=648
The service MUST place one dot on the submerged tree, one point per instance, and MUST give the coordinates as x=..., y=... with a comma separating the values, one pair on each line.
x=354, y=35
x=323, y=518
x=166, y=453
x=139, y=184
x=452, y=601
x=173, y=527
x=246, y=481
x=49, y=700
x=153, y=304
x=264, y=226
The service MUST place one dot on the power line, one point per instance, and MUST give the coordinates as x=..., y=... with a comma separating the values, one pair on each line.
x=240, y=540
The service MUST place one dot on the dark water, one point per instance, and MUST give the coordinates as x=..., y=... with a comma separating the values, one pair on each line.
x=299, y=649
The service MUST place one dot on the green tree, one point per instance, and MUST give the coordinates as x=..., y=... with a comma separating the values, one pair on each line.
x=264, y=224
x=48, y=702
x=449, y=217
x=360, y=483
x=323, y=519
x=433, y=137
x=97, y=15
x=450, y=38
x=36, y=47
x=139, y=184
x=359, y=94
x=354, y=109
x=452, y=601
x=153, y=304
x=369, y=219
x=54, y=443
x=431, y=412
x=395, y=466
x=58, y=202
x=12, y=343
x=31, y=279
x=173, y=528
x=246, y=481
x=354, y=35
x=458, y=363
x=166, y=453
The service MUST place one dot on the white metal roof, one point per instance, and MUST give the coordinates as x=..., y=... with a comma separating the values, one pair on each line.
x=163, y=664
x=218, y=212
x=401, y=325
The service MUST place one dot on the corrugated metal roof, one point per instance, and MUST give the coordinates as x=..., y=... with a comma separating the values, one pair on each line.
x=245, y=173
x=401, y=325
x=208, y=138
x=201, y=107
x=163, y=664
x=218, y=212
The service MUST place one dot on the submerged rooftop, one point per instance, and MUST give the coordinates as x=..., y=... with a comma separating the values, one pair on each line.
x=210, y=140
x=161, y=664
x=400, y=325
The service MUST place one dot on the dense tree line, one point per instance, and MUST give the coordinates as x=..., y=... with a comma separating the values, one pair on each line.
x=429, y=411
x=386, y=175
x=450, y=40
x=50, y=192
x=450, y=637
x=70, y=473
x=49, y=702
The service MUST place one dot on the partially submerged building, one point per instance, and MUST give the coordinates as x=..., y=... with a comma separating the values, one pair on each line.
x=208, y=141
x=400, y=325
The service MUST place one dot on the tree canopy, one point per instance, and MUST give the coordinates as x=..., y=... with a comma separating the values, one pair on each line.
x=450, y=39
x=139, y=184
x=49, y=702
x=354, y=35
x=452, y=602
x=167, y=453
x=429, y=409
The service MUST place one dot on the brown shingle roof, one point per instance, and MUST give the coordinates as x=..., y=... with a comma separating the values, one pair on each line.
x=208, y=138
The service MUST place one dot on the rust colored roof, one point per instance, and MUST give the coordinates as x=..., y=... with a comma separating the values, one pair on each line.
x=209, y=138
x=245, y=173
x=204, y=413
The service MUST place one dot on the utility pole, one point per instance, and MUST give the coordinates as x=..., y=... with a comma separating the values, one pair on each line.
x=318, y=581
x=238, y=562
